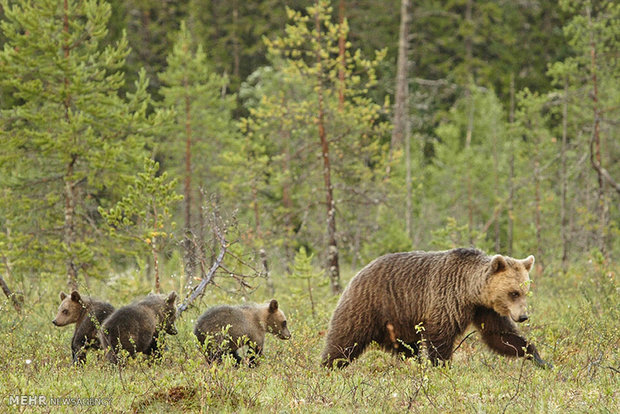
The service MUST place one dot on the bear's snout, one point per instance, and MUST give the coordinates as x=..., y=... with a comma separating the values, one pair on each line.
x=523, y=318
x=54, y=322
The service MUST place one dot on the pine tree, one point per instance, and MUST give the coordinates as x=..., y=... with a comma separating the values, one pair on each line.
x=202, y=130
x=144, y=213
x=69, y=140
x=345, y=136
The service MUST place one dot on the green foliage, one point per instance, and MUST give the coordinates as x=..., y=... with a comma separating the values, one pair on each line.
x=390, y=236
x=144, y=213
x=451, y=235
x=302, y=269
x=70, y=142
x=282, y=129
x=203, y=129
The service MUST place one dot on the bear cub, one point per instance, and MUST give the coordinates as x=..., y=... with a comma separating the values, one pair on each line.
x=137, y=327
x=404, y=300
x=87, y=314
x=229, y=328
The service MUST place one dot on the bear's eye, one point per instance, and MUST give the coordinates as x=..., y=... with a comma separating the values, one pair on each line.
x=284, y=324
x=65, y=311
x=514, y=294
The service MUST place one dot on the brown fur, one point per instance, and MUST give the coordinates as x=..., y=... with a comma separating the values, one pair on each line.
x=245, y=324
x=87, y=314
x=137, y=327
x=431, y=298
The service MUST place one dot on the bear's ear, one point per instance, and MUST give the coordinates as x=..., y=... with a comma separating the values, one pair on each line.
x=171, y=298
x=273, y=306
x=498, y=264
x=63, y=295
x=528, y=262
x=75, y=296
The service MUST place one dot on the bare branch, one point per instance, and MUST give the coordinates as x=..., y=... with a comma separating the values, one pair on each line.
x=600, y=169
x=206, y=278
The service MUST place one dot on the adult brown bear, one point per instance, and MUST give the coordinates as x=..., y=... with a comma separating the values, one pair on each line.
x=402, y=300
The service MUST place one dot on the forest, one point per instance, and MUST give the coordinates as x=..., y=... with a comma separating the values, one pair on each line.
x=238, y=151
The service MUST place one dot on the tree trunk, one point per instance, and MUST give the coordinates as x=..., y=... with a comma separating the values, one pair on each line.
x=190, y=253
x=537, y=217
x=408, y=183
x=333, y=268
x=287, y=201
x=401, y=107
x=69, y=182
x=235, y=36
x=497, y=189
x=263, y=258
x=341, y=55
x=69, y=225
x=511, y=184
x=154, y=249
x=564, y=173
x=595, y=149
x=470, y=121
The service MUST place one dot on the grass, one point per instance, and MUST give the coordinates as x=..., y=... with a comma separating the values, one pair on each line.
x=574, y=322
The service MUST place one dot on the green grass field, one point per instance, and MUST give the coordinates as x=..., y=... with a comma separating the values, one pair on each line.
x=574, y=320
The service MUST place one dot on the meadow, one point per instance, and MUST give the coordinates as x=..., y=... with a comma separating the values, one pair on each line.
x=574, y=321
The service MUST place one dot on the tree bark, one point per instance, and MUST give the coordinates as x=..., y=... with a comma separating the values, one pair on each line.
x=69, y=182
x=154, y=249
x=595, y=148
x=564, y=178
x=470, y=120
x=69, y=225
x=190, y=253
x=408, y=183
x=10, y=295
x=511, y=179
x=537, y=216
x=235, y=36
x=341, y=55
x=333, y=268
x=401, y=107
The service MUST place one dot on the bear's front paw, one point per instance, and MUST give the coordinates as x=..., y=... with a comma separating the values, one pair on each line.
x=542, y=363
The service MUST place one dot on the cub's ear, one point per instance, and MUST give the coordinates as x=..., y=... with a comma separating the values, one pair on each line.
x=273, y=305
x=171, y=298
x=63, y=295
x=528, y=262
x=75, y=296
x=498, y=264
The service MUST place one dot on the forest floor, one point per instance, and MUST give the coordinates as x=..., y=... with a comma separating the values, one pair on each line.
x=574, y=321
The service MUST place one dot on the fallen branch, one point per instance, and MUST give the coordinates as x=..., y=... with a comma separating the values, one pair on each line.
x=12, y=296
x=600, y=169
x=203, y=283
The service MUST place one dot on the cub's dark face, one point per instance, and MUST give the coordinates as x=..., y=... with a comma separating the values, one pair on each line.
x=276, y=321
x=170, y=314
x=69, y=310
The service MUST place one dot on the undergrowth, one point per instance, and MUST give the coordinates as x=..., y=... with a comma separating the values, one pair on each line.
x=573, y=321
